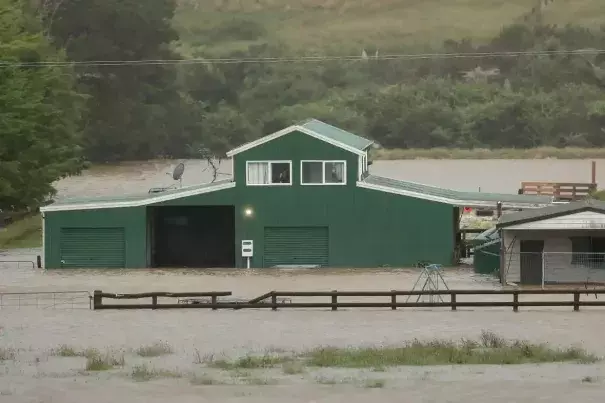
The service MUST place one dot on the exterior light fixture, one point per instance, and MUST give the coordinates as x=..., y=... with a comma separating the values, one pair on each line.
x=248, y=212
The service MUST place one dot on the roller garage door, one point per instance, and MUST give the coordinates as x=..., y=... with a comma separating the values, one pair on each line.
x=296, y=246
x=93, y=247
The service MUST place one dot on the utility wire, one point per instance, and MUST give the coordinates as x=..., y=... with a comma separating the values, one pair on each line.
x=301, y=59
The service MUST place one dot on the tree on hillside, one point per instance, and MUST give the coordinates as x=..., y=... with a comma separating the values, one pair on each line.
x=134, y=111
x=39, y=113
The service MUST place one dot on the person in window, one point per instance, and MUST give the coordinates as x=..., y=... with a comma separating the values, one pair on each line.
x=283, y=176
x=336, y=176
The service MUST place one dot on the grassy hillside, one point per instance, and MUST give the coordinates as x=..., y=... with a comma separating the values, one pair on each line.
x=346, y=26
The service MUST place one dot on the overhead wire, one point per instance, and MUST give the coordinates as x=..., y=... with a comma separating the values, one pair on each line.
x=300, y=59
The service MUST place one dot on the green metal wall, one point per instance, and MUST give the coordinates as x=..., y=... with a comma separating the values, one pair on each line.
x=367, y=228
x=131, y=219
x=486, y=258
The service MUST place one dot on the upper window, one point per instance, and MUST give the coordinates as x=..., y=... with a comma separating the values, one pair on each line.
x=323, y=172
x=269, y=173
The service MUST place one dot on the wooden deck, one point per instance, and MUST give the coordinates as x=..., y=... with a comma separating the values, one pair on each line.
x=561, y=191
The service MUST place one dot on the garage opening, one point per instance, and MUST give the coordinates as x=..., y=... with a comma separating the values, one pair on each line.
x=192, y=236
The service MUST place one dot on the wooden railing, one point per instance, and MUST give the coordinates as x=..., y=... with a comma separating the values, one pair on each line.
x=560, y=191
x=333, y=303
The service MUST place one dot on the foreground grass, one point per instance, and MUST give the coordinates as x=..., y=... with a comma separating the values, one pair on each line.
x=154, y=350
x=487, y=154
x=7, y=354
x=248, y=362
x=95, y=361
x=490, y=349
x=25, y=233
x=143, y=373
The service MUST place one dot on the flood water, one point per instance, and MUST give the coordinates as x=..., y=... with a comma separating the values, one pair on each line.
x=35, y=375
x=504, y=176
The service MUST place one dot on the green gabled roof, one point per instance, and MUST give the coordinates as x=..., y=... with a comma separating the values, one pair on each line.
x=319, y=130
x=470, y=199
x=136, y=200
x=555, y=210
x=336, y=134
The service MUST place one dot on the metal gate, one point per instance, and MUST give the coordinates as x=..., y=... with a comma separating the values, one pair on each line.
x=304, y=246
x=93, y=248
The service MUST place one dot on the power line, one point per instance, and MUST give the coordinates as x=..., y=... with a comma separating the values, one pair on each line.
x=302, y=59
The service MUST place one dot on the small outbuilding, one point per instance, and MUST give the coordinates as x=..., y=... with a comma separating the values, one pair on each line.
x=303, y=196
x=560, y=244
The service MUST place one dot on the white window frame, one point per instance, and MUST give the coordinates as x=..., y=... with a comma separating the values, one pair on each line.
x=323, y=173
x=270, y=162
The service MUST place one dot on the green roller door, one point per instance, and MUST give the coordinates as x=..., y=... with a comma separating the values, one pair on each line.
x=93, y=247
x=296, y=246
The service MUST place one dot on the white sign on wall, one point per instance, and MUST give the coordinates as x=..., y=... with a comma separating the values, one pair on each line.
x=247, y=248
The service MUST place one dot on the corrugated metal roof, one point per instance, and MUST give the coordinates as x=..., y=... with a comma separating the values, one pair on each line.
x=551, y=211
x=336, y=134
x=455, y=195
x=136, y=199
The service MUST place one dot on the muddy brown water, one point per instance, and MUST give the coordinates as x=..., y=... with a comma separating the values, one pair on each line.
x=469, y=175
x=37, y=376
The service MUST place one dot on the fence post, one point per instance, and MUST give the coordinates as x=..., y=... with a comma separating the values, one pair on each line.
x=453, y=301
x=516, y=301
x=576, y=301
x=97, y=300
x=213, y=301
x=393, y=300
x=543, y=268
x=273, y=302
x=154, y=301
x=334, y=300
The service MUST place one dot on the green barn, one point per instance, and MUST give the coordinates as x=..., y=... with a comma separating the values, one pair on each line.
x=302, y=196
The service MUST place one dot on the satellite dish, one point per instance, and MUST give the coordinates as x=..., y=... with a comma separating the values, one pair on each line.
x=177, y=174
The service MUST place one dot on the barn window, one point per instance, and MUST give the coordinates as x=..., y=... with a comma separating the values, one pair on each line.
x=587, y=250
x=323, y=172
x=269, y=173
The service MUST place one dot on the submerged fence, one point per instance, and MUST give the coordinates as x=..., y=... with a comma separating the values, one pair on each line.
x=46, y=300
x=543, y=268
x=333, y=299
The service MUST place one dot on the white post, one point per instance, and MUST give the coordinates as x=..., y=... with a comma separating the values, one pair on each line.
x=543, y=267
x=248, y=262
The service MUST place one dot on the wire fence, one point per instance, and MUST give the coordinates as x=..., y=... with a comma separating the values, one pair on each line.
x=545, y=268
x=46, y=300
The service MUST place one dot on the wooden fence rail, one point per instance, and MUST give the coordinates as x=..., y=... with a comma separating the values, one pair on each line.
x=334, y=304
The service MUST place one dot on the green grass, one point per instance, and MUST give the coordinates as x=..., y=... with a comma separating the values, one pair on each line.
x=249, y=362
x=485, y=154
x=293, y=368
x=154, y=350
x=349, y=25
x=65, y=350
x=203, y=380
x=25, y=233
x=143, y=373
x=374, y=383
x=7, y=354
x=490, y=349
x=95, y=361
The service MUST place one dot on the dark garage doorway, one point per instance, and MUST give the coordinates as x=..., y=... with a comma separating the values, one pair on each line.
x=531, y=262
x=193, y=236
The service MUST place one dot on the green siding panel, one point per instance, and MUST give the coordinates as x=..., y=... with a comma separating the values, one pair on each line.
x=486, y=257
x=132, y=220
x=296, y=246
x=93, y=248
